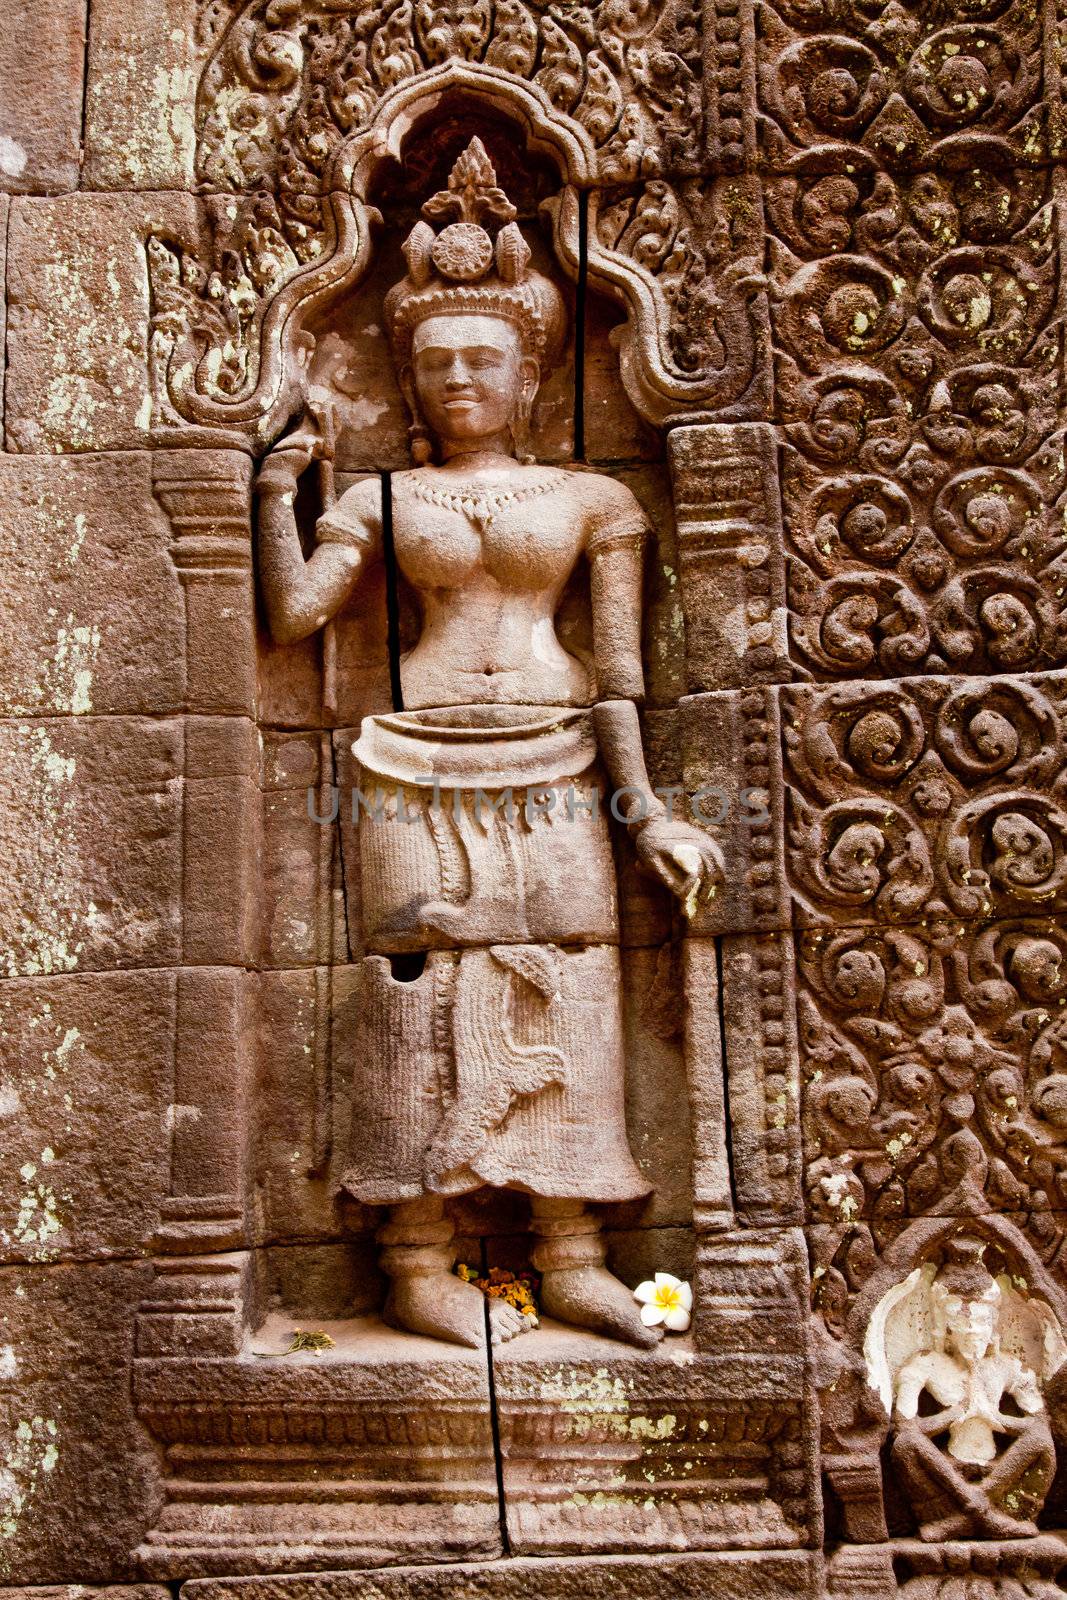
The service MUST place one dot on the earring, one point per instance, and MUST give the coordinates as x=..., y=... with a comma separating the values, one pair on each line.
x=520, y=433
x=420, y=444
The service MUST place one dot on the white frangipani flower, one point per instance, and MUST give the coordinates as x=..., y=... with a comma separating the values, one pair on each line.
x=665, y=1299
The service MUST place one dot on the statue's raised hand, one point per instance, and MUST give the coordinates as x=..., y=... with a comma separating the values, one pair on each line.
x=311, y=440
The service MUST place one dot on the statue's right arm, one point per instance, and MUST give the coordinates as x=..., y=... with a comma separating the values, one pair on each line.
x=302, y=595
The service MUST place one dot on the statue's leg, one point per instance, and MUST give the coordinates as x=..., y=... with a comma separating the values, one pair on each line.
x=947, y=1506
x=425, y=1296
x=575, y=1284
x=1019, y=1481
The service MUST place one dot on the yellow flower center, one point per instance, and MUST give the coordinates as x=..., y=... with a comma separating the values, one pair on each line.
x=668, y=1297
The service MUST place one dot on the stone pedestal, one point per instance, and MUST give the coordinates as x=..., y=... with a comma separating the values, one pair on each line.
x=376, y=1451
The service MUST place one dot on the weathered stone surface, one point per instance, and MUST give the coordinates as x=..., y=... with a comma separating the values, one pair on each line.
x=92, y=844
x=5, y=205
x=140, y=103
x=781, y=1575
x=605, y=1451
x=41, y=76
x=78, y=316
x=86, y=1104
x=79, y=1591
x=79, y=1476
x=383, y=1444
x=91, y=615
x=302, y=920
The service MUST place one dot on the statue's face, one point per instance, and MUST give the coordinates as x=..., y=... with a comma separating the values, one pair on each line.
x=970, y=1327
x=470, y=374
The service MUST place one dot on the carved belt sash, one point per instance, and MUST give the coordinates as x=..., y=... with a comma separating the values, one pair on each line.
x=484, y=825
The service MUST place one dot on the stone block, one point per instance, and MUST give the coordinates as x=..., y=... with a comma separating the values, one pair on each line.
x=41, y=82
x=79, y=1477
x=768, y=1575
x=931, y=1069
x=221, y=840
x=81, y=1591
x=92, y=844
x=730, y=758
x=606, y=1450
x=937, y=798
x=140, y=96
x=78, y=317
x=5, y=206
x=302, y=915
x=918, y=96
x=91, y=615
x=372, y=1452
x=86, y=1102
x=299, y=1015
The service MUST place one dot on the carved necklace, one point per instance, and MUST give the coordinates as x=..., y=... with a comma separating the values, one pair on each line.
x=480, y=505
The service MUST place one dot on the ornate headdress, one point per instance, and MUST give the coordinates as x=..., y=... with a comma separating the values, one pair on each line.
x=464, y=268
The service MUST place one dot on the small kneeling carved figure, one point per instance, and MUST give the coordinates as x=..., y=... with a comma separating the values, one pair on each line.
x=959, y=1358
x=500, y=1062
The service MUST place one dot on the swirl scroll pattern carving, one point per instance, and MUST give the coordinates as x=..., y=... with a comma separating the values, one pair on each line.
x=926, y=798
x=915, y=269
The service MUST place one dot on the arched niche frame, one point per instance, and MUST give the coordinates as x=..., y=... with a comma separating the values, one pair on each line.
x=230, y=355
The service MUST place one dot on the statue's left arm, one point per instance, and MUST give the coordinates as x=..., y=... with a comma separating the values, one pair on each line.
x=685, y=859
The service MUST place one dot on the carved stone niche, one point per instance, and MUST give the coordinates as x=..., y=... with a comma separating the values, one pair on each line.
x=941, y=1415
x=388, y=1445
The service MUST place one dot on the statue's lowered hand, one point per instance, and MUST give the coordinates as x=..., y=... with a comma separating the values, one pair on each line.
x=683, y=858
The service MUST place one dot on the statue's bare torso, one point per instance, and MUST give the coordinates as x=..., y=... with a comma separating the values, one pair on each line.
x=488, y=556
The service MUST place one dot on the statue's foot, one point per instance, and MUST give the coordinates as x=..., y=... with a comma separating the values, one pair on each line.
x=441, y=1306
x=1001, y=1525
x=505, y=1322
x=591, y=1297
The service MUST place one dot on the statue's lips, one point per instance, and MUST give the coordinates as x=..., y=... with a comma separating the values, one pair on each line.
x=461, y=402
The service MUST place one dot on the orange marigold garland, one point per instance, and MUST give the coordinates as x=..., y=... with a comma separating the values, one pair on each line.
x=518, y=1289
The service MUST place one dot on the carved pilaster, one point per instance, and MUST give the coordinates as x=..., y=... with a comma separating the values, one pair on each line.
x=732, y=571
x=199, y=1297
x=207, y=494
x=198, y=1302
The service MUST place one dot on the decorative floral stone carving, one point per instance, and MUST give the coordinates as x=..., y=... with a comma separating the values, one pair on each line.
x=915, y=263
x=925, y=798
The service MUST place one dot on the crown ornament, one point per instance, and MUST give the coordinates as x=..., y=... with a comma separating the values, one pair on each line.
x=477, y=263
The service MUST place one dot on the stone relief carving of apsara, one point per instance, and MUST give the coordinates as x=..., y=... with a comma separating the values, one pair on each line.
x=491, y=1047
x=960, y=1359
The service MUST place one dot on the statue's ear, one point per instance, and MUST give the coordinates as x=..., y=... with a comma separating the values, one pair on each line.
x=531, y=377
x=406, y=379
